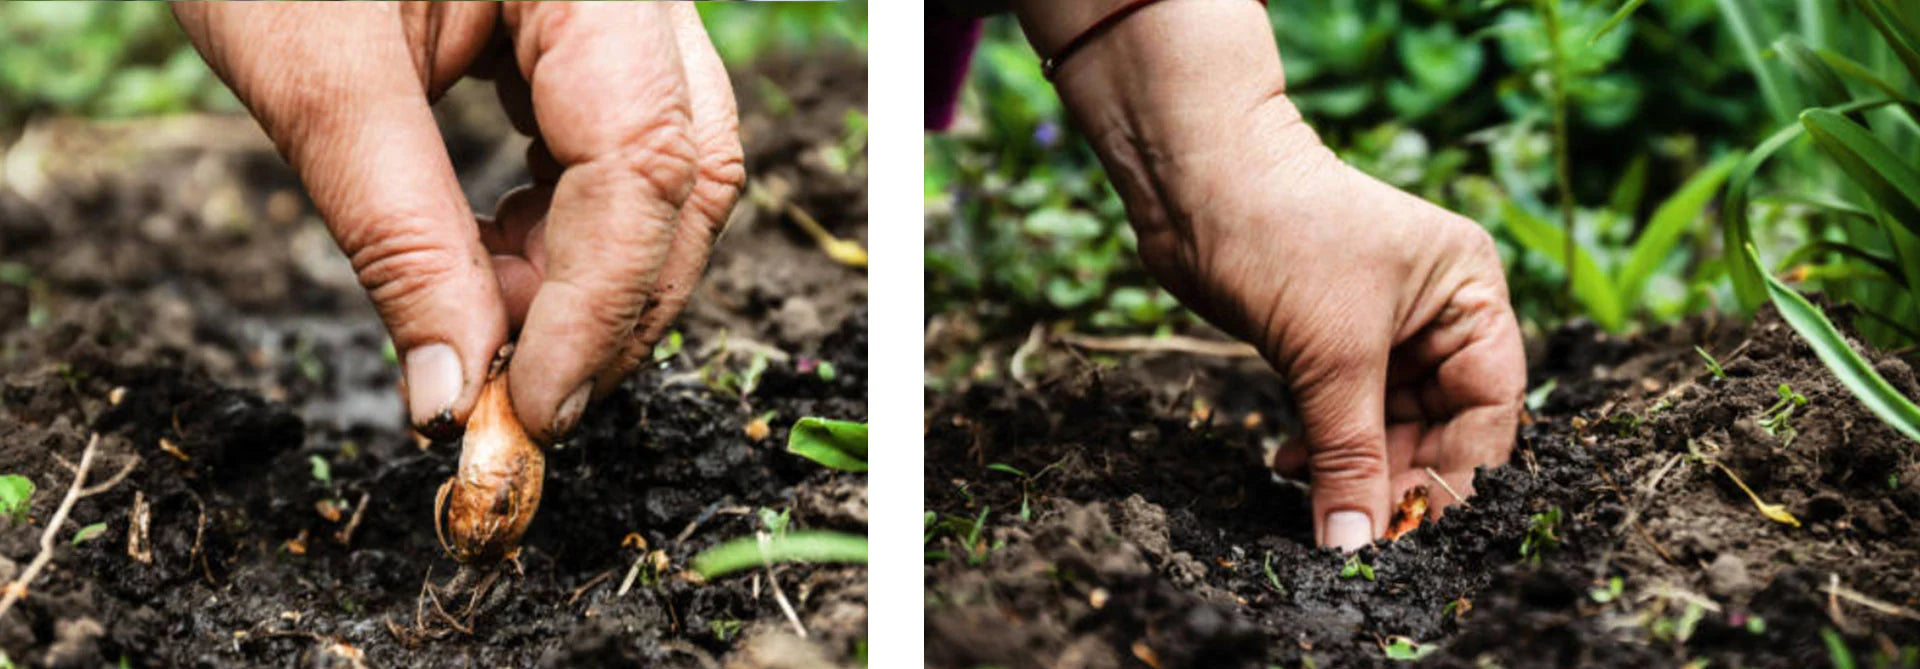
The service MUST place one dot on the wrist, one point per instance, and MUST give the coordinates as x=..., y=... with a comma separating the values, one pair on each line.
x=1179, y=96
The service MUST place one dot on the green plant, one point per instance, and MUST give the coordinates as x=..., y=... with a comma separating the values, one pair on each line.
x=1542, y=534
x=16, y=492
x=1403, y=649
x=1837, y=652
x=836, y=444
x=1026, y=484
x=1777, y=419
x=320, y=469
x=89, y=533
x=1609, y=289
x=1858, y=182
x=1356, y=567
x=1713, y=365
x=813, y=546
x=1832, y=349
x=1615, y=587
x=1273, y=579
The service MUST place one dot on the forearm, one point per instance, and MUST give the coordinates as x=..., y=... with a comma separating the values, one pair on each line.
x=1170, y=92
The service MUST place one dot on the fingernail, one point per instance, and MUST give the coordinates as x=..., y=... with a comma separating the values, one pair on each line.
x=570, y=410
x=1349, y=530
x=433, y=383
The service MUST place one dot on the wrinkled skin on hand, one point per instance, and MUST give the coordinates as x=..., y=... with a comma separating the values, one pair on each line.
x=636, y=163
x=1387, y=316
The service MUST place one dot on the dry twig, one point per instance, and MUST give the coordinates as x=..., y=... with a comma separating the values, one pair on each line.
x=77, y=491
x=1167, y=344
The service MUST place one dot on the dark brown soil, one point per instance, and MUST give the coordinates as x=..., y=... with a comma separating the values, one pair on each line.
x=1152, y=528
x=175, y=260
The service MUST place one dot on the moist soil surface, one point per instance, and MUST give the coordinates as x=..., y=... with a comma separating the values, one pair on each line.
x=167, y=287
x=1141, y=530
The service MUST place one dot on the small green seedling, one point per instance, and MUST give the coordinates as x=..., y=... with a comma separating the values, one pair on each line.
x=838, y=444
x=1403, y=649
x=322, y=471
x=776, y=522
x=826, y=371
x=1537, y=397
x=725, y=630
x=1777, y=419
x=1026, y=484
x=1542, y=534
x=1273, y=579
x=1713, y=365
x=669, y=347
x=1615, y=587
x=16, y=492
x=815, y=546
x=977, y=550
x=1356, y=567
x=1837, y=652
x=89, y=533
x=1756, y=625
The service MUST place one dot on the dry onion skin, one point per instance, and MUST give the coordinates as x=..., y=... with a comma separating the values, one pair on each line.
x=1409, y=512
x=481, y=513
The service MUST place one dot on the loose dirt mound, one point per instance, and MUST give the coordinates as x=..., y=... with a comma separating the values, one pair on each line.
x=1156, y=540
x=191, y=274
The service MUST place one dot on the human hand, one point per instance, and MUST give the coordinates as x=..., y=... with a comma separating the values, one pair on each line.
x=636, y=163
x=1387, y=316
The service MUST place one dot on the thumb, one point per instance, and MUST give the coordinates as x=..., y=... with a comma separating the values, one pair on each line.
x=1342, y=411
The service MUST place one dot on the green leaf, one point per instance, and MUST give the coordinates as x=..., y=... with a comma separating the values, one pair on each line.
x=1007, y=469
x=838, y=444
x=1819, y=78
x=1669, y=222
x=1590, y=286
x=1811, y=249
x=89, y=533
x=1898, y=32
x=665, y=350
x=1890, y=180
x=809, y=546
x=1403, y=649
x=15, y=493
x=1737, y=234
x=1851, y=68
x=321, y=470
x=1853, y=371
x=1743, y=21
x=1626, y=9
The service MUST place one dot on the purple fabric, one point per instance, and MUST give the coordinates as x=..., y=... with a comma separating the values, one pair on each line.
x=950, y=43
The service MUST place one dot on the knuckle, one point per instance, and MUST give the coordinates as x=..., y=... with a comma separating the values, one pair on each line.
x=402, y=263
x=662, y=155
x=1346, y=460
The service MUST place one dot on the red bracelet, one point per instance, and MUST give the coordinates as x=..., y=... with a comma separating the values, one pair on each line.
x=1051, y=65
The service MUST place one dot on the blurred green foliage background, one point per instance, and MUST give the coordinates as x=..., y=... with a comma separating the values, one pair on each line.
x=1455, y=101
x=115, y=60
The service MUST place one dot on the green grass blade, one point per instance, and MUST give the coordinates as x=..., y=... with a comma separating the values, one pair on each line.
x=1736, y=230
x=1590, y=286
x=837, y=444
x=1626, y=10
x=1890, y=180
x=809, y=546
x=1850, y=68
x=1669, y=222
x=1743, y=21
x=1811, y=249
x=1814, y=73
x=1854, y=372
x=1897, y=31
